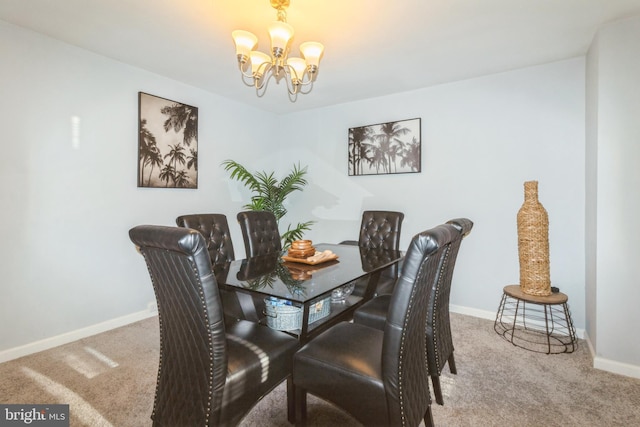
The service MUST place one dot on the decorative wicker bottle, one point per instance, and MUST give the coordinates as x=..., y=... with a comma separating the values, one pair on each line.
x=533, y=243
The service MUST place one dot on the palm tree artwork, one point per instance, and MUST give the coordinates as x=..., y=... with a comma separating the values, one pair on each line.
x=167, y=143
x=385, y=148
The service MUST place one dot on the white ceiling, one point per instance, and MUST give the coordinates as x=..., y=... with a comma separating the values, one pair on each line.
x=372, y=47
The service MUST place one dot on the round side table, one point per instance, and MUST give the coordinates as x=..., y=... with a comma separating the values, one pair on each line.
x=536, y=323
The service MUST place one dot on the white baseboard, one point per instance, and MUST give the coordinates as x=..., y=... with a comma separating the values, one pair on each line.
x=475, y=312
x=609, y=365
x=620, y=368
x=47, y=343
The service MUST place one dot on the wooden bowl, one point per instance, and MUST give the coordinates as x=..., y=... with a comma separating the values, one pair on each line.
x=302, y=253
x=301, y=244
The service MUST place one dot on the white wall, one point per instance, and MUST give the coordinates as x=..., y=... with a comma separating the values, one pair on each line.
x=67, y=261
x=481, y=140
x=615, y=67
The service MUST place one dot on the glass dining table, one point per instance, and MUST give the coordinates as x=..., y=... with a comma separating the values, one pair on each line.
x=285, y=285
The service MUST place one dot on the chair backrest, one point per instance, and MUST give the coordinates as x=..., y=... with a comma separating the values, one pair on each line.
x=259, y=232
x=193, y=349
x=381, y=229
x=438, y=324
x=215, y=229
x=463, y=226
x=443, y=287
x=404, y=358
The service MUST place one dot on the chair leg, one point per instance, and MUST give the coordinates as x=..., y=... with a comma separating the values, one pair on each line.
x=291, y=400
x=428, y=418
x=300, y=400
x=452, y=365
x=437, y=391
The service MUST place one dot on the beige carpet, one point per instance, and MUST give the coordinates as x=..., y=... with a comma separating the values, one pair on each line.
x=109, y=379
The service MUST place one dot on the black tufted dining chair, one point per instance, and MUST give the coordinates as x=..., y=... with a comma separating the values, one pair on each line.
x=259, y=232
x=211, y=373
x=440, y=347
x=215, y=230
x=379, y=376
x=217, y=236
x=379, y=230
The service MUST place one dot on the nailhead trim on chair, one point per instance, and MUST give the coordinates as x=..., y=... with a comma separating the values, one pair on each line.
x=401, y=364
x=206, y=317
x=210, y=339
x=435, y=297
x=160, y=365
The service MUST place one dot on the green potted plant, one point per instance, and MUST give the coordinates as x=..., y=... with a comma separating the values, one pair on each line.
x=269, y=194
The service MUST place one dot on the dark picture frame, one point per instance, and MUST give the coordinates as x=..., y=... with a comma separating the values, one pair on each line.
x=167, y=143
x=386, y=148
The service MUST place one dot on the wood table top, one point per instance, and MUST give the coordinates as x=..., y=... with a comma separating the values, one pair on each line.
x=555, y=298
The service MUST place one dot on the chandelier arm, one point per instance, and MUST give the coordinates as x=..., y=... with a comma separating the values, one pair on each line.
x=289, y=72
x=245, y=74
x=262, y=88
x=265, y=75
x=305, y=87
x=308, y=85
x=307, y=81
x=247, y=80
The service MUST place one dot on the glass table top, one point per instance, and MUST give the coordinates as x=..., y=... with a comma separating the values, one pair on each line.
x=272, y=276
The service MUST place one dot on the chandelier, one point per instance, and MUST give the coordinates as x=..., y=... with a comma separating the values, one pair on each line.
x=258, y=68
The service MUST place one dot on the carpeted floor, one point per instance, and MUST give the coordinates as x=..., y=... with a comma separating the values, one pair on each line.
x=109, y=380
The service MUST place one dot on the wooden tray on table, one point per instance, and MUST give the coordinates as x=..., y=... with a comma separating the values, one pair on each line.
x=310, y=260
x=302, y=268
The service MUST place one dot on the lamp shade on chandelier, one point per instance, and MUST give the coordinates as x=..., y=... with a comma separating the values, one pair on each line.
x=258, y=68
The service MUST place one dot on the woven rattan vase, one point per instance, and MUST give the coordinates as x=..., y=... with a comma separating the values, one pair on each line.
x=533, y=243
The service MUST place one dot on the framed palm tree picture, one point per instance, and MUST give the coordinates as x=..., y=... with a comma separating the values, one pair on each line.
x=385, y=148
x=167, y=143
